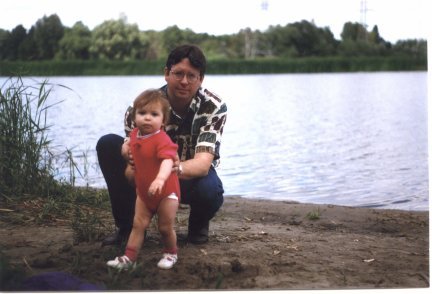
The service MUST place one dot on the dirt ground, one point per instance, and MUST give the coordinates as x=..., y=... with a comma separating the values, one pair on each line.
x=254, y=245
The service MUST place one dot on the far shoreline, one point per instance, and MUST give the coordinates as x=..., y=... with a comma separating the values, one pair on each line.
x=289, y=201
x=330, y=64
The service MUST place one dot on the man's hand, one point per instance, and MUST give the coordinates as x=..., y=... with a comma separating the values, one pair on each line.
x=126, y=152
x=176, y=165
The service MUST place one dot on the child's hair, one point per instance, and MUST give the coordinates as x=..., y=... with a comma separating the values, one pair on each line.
x=151, y=96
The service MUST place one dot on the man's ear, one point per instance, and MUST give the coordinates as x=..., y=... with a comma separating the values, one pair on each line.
x=166, y=74
x=166, y=71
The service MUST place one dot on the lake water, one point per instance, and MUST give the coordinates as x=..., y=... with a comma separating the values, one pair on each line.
x=357, y=139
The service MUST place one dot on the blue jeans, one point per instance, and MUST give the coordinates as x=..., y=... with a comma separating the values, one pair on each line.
x=204, y=194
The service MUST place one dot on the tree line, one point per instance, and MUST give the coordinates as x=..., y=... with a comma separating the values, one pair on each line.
x=49, y=39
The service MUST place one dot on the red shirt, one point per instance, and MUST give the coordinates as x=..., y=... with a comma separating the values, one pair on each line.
x=148, y=153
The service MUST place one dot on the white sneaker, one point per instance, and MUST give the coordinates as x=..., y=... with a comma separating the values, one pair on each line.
x=121, y=263
x=168, y=260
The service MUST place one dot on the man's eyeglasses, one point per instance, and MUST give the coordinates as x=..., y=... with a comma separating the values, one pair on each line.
x=179, y=75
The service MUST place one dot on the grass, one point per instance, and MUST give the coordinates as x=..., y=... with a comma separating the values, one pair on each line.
x=314, y=215
x=25, y=161
x=29, y=190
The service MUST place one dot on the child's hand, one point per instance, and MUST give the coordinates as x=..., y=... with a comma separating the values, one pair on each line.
x=156, y=187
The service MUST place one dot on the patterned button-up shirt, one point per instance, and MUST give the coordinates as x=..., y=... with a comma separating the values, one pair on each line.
x=199, y=131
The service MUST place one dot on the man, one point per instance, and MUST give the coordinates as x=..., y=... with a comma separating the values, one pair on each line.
x=196, y=124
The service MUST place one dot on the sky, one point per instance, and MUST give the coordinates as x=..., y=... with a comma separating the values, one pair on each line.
x=396, y=19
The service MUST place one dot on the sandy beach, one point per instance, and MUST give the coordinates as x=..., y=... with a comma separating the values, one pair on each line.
x=254, y=245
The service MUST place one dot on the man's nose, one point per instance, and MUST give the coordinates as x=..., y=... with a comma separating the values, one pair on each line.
x=184, y=80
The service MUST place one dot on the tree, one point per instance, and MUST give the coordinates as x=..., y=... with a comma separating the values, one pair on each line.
x=28, y=49
x=309, y=40
x=47, y=33
x=171, y=37
x=354, y=32
x=5, y=49
x=300, y=39
x=250, y=43
x=280, y=41
x=374, y=36
x=153, y=48
x=328, y=42
x=225, y=46
x=415, y=48
x=117, y=40
x=75, y=43
x=17, y=36
x=17, y=44
x=356, y=40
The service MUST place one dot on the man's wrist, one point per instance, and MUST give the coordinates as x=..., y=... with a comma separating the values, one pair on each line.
x=180, y=170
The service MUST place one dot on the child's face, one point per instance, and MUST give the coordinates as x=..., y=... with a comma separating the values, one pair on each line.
x=149, y=119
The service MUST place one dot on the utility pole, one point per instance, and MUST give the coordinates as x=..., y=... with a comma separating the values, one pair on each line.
x=363, y=13
x=363, y=17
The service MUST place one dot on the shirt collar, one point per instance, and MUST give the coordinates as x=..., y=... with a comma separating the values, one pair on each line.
x=139, y=136
x=193, y=106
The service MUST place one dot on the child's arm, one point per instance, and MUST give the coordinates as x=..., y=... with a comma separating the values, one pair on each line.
x=164, y=172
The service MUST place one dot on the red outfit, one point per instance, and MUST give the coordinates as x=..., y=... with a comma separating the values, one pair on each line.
x=148, y=153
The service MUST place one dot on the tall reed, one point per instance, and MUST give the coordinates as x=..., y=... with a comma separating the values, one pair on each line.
x=25, y=160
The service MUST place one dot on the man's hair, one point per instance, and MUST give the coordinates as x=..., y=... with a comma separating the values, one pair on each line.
x=193, y=53
x=152, y=96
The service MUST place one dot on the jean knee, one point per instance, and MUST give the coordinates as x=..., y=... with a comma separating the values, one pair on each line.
x=209, y=191
x=108, y=142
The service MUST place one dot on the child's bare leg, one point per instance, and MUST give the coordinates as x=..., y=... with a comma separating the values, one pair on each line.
x=136, y=238
x=141, y=222
x=166, y=215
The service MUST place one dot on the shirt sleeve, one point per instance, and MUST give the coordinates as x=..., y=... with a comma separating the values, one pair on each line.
x=167, y=149
x=128, y=121
x=210, y=135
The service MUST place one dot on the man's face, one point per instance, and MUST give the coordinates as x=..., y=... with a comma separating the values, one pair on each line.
x=183, y=81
